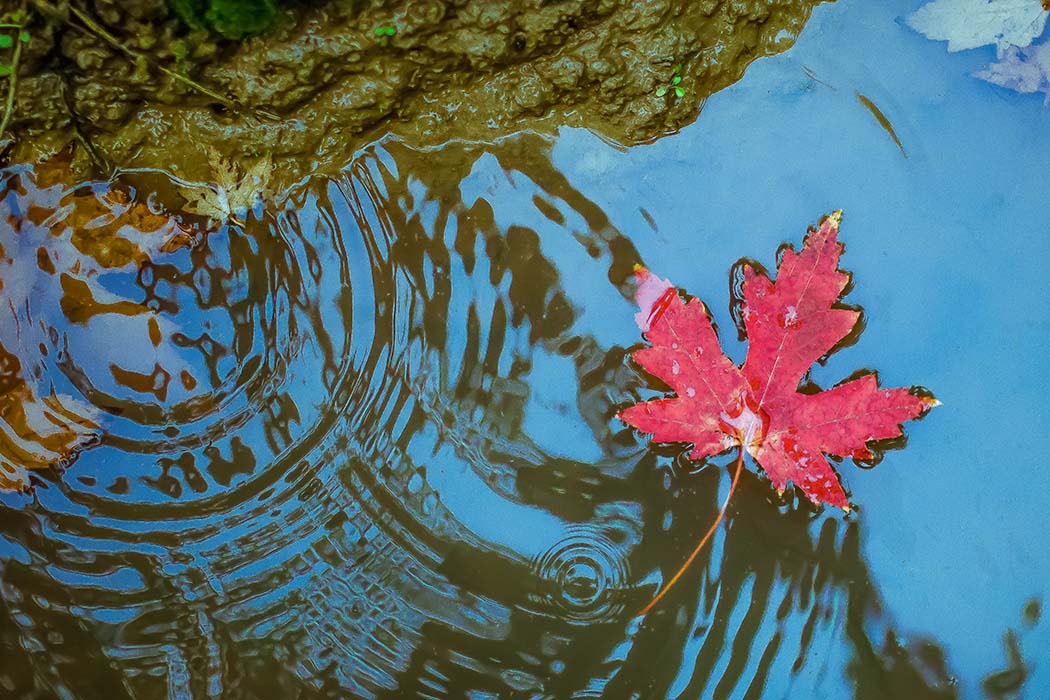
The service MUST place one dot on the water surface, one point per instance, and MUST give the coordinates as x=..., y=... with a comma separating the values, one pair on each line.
x=364, y=445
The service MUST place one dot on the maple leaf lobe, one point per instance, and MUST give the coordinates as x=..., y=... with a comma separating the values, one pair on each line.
x=790, y=323
x=685, y=353
x=793, y=322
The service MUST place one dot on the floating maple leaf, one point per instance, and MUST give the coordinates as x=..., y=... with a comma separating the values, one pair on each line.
x=757, y=407
x=233, y=193
x=790, y=324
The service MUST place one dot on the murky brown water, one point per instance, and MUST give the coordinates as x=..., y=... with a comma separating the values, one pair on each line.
x=363, y=443
x=366, y=441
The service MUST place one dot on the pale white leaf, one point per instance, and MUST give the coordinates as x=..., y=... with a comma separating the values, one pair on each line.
x=967, y=24
x=1025, y=70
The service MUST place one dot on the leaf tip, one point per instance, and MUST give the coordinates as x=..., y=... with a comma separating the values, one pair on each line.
x=831, y=222
x=931, y=402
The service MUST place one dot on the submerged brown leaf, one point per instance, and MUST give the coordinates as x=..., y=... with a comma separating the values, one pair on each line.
x=233, y=192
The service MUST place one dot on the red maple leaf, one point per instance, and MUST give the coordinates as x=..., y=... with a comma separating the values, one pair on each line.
x=790, y=324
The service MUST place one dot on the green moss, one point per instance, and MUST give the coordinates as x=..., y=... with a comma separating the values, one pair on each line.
x=191, y=12
x=236, y=18
x=233, y=19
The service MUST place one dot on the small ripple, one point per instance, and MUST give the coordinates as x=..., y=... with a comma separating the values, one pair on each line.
x=584, y=575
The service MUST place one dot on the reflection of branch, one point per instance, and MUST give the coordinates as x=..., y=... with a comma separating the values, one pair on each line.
x=94, y=28
x=1010, y=680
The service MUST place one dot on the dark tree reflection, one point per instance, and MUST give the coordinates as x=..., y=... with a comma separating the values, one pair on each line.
x=365, y=446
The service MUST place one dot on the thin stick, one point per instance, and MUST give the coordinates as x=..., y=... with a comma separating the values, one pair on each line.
x=703, y=541
x=100, y=163
x=12, y=82
x=93, y=27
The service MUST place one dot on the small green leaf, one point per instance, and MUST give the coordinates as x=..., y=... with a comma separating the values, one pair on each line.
x=661, y=91
x=5, y=70
x=677, y=79
x=6, y=41
x=679, y=91
x=23, y=36
x=16, y=16
x=391, y=31
x=678, y=68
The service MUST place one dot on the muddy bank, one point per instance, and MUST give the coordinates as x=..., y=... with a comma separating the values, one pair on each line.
x=323, y=82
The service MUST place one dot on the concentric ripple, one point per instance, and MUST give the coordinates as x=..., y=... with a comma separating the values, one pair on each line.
x=585, y=576
x=291, y=423
x=361, y=445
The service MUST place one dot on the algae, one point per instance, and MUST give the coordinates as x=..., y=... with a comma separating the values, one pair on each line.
x=232, y=19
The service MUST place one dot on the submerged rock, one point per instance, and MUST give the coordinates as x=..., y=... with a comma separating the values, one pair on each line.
x=334, y=76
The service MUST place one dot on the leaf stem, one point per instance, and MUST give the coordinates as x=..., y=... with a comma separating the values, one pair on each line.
x=711, y=531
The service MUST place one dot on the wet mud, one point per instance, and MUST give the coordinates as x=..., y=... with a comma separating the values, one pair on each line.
x=323, y=83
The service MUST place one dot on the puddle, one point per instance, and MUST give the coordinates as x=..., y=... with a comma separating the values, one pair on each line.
x=364, y=442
